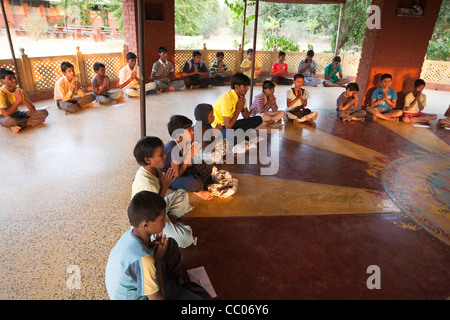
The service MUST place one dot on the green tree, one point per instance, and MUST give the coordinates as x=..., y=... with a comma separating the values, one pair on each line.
x=353, y=25
x=194, y=17
x=236, y=11
x=439, y=48
x=312, y=24
x=282, y=43
x=78, y=11
x=115, y=8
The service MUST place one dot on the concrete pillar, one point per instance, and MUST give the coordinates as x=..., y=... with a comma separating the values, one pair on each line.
x=398, y=47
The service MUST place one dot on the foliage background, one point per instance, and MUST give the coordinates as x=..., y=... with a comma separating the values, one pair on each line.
x=279, y=24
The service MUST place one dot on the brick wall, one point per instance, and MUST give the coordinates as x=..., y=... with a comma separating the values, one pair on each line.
x=130, y=24
x=158, y=32
x=398, y=48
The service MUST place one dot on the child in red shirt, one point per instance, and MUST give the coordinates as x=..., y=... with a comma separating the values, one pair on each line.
x=279, y=70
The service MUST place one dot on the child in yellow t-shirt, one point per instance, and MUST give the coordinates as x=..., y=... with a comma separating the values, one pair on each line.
x=10, y=98
x=246, y=67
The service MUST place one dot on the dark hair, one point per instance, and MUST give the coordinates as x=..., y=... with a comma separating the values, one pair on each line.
x=419, y=82
x=130, y=55
x=310, y=53
x=239, y=79
x=386, y=76
x=6, y=72
x=196, y=53
x=145, y=206
x=352, y=86
x=145, y=148
x=98, y=65
x=65, y=65
x=220, y=54
x=337, y=58
x=267, y=84
x=249, y=50
x=202, y=111
x=178, y=122
x=281, y=53
x=299, y=75
x=162, y=49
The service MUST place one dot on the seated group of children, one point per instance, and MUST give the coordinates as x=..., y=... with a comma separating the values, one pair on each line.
x=135, y=265
x=70, y=96
x=146, y=262
x=383, y=103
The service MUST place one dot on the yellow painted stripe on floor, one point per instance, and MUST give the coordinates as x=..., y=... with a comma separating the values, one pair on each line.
x=269, y=196
x=423, y=137
x=309, y=135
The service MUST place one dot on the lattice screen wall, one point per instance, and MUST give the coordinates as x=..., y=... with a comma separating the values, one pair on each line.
x=42, y=72
x=436, y=72
x=267, y=58
x=293, y=60
x=112, y=62
x=47, y=70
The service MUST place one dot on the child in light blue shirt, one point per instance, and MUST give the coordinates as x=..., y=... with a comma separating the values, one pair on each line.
x=384, y=100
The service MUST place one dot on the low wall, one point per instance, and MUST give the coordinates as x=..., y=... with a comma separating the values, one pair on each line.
x=38, y=74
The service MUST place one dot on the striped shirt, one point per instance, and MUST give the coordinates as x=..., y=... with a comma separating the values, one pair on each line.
x=215, y=67
x=261, y=104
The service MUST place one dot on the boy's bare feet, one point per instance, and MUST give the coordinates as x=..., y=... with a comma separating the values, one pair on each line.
x=120, y=99
x=444, y=122
x=205, y=195
x=314, y=116
x=89, y=105
x=15, y=129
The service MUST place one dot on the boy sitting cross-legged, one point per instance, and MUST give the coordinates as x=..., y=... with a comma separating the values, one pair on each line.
x=149, y=153
x=347, y=103
x=129, y=80
x=384, y=100
x=219, y=72
x=68, y=94
x=195, y=72
x=415, y=102
x=297, y=100
x=10, y=98
x=101, y=86
x=280, y=70
x=265, y=105
x=163, y=73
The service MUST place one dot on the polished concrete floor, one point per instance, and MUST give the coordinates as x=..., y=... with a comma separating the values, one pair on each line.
x=338, y=204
